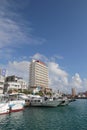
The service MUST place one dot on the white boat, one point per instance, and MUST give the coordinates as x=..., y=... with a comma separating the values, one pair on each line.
x=4, y=107
x=8, y=104
x=25, y=98
x=15, y=103
x=30, y=96
x=45, y=102
x=66, y=101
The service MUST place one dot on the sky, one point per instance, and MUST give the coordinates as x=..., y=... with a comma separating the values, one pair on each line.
x=53, y=31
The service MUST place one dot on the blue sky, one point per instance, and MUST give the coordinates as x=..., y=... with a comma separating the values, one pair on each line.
x=54, y=31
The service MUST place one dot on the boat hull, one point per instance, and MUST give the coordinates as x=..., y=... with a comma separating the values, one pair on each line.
x=16, y=105
x=4, y=108
x=45, y=103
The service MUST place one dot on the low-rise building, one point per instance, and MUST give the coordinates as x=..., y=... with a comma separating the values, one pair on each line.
x=14, y=83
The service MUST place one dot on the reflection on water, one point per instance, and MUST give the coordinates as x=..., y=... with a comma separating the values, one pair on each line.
x=11, y=121
x=71, y=117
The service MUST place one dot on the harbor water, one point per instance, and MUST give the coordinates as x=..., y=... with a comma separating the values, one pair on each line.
x=71, y=117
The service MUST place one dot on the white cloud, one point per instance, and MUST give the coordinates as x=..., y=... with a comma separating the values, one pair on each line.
x=10, y=33
x=59, y=79
x=85, y=84
x=14, y=29
x=5, y=53
x=14, y=34
x=39, y=56
x=19, y=69
x=44, y=58
x=76, y=81
x=53, y=58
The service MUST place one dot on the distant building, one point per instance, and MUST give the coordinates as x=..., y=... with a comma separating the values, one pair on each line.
x=38, y=76
x=73, y=92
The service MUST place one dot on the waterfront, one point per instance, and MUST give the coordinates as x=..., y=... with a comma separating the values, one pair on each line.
x=71, y=117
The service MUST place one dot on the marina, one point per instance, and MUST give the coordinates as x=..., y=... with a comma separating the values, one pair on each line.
x=16, y=102
x=17, y=94
x=43, y=68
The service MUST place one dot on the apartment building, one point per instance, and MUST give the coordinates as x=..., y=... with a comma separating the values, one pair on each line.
x=14, y=82
x=38, y=76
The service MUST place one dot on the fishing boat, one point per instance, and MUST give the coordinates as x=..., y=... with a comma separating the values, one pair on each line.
x=25, y=98
x=66, y=101
x=15, y=103
x=45, y=102
x=10, y=104
x=4, y=107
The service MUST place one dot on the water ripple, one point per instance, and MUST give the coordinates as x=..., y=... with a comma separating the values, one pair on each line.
x=72, y=117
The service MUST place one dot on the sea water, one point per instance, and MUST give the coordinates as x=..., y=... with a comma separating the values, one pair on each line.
x=70, y=117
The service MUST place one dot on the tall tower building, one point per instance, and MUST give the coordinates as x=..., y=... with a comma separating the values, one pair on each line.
x=73, y=92
x=38, y=76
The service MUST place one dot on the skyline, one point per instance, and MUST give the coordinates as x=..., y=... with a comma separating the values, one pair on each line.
x=51, y=31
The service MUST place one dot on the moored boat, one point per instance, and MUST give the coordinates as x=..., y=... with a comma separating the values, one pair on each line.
x=66, y=101
x=4, y=108
x=45, y=102
x=25, y=98
x=9, y=104
x=16, y=105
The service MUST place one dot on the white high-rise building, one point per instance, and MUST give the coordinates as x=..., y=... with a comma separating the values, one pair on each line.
x=38, y=76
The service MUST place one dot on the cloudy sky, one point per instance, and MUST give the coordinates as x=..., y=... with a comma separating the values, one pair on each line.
x=54, y=31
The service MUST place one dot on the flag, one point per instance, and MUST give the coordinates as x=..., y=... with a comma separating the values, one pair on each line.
x=3, y=72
